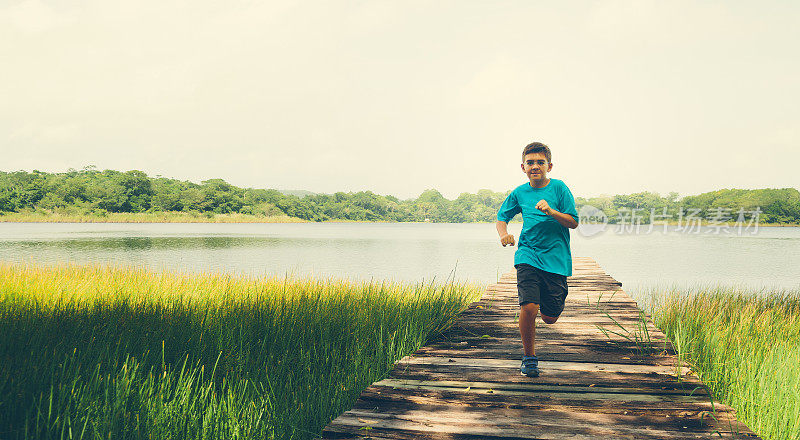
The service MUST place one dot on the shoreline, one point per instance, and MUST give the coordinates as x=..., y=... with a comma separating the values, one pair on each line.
x=146, y=218
x=244, y=218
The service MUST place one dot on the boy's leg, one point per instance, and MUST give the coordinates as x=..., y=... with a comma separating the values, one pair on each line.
x=553, y=296
x=527, y=327
x=539, y=291
x=549, y=319
x=528, y=286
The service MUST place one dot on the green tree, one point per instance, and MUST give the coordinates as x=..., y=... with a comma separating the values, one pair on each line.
x=138, y=191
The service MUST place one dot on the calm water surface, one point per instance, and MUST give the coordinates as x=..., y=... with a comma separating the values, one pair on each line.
x=405, y=251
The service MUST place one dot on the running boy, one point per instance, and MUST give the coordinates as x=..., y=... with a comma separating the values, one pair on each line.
x=543, y=259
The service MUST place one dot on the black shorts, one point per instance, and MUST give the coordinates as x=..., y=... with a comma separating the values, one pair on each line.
x=547, y=289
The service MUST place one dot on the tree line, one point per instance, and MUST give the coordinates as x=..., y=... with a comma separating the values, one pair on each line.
x=93, y=192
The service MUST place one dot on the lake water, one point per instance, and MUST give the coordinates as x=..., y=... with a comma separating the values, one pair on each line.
x=406, y=251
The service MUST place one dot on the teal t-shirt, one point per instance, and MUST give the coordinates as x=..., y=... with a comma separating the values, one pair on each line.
x=543, y=242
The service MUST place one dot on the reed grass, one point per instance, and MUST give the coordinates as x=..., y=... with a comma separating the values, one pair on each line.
x=639, y=336
x=142, y=217
x=744, y=344
x=89, y=352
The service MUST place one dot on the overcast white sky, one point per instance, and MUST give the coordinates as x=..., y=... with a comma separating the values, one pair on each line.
x=396, y=97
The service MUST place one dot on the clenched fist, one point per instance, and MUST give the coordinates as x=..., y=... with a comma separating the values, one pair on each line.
x=544, y=207
x=507, y=239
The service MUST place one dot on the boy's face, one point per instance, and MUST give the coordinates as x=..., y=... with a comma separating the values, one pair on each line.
x=536, y=167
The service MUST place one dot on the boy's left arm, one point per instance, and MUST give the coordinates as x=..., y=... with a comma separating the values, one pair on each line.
x=564, y=220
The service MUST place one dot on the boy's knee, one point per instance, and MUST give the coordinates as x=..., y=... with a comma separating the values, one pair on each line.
x=529, y=308
x=549, y=319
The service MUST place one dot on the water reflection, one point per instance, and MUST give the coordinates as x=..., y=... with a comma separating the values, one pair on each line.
x=409, y=252
x=144, y=243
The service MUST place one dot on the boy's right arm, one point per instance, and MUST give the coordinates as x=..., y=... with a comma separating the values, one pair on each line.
x=502, y=231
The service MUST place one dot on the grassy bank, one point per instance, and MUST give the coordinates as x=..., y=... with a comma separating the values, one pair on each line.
x=143, y=217
x=93, y=352
x=745, y=345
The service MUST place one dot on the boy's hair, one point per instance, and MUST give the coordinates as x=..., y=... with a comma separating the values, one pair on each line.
x=537, y=147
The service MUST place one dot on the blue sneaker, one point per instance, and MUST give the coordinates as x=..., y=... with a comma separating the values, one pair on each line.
x=530, y=366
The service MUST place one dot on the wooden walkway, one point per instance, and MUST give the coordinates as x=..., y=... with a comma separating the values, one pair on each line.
x=594, y=384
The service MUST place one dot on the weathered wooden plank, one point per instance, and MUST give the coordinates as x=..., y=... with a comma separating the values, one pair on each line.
x=352, y=428
x=567, y=319
x=506, y=334
x=574, y=306
x=570, y=318
x=376, y=394
x=577, y=333
x=587, y=345
x=510, y=308
x=540, y=388
x=548, y=365
x=600, y=380
x=584, y=296
x=571, y=355
x=586, y=349
x=535, y=417
x=559, y=417
x=583, y=303
x=550, y=352
x=588, y=286
x=422, y=424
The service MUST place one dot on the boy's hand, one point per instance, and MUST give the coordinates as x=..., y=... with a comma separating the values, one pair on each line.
x=544, y=207
x=507, y=239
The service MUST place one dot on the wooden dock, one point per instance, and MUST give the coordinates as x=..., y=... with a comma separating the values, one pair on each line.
x=596, y=381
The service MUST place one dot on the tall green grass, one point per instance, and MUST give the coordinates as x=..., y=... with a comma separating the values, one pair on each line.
x=100, y=352
x=744, y=344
